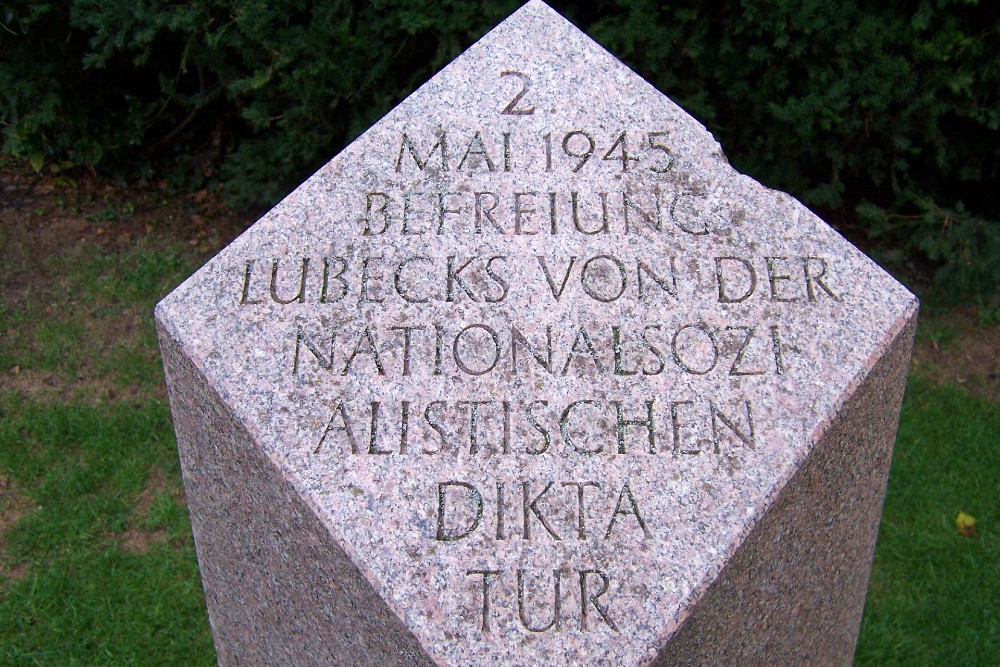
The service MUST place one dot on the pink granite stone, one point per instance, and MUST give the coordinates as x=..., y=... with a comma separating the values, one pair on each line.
x=528, y=374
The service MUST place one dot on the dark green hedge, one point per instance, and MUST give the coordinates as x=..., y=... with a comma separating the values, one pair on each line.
x=882, y=116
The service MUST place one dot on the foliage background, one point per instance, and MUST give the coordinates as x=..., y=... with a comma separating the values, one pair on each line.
x=883, y=117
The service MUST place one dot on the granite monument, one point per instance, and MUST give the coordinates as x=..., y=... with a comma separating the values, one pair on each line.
x=528, y=374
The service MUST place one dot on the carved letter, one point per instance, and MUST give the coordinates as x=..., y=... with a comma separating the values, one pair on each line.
x=457, y=533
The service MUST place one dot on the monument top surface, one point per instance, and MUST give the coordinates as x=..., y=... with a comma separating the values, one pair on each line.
x=534, y=353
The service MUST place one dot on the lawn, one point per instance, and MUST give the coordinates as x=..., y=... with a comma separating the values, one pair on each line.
x=97, y=564
x=934, y=597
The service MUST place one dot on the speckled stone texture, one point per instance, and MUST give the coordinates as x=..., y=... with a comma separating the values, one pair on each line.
x=528, y=374
x=279, y=589
x=794, y=591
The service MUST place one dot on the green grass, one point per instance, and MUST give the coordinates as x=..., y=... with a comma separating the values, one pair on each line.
x=97, y=564
x=83, y=594
x=134, y=277
x=93, y=320
x=934, y=597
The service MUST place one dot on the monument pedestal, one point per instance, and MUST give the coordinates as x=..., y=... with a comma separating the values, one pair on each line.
x=528, y=374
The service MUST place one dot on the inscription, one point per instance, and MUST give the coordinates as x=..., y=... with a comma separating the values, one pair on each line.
x=569, y=150
x=479, y=349
x=461, y=508
x=531, y=212
x=604, y=278
x=542, y=426
x=512, y=109
x=640, y=230
x=593, y=587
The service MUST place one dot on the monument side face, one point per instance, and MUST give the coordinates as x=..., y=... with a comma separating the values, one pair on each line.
x=794, y=592
x=278, y=588
x=529, y=374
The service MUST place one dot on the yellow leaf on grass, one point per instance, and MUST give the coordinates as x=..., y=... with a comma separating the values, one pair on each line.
x=966, y=524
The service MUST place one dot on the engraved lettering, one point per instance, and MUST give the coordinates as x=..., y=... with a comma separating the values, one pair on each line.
x=816, y=278
x=382, y=211
x=546, y=439
x=372, y=351
x=556, y=599
x=586, y=597
x=461, y=362
x=725, y=295
x=685, y=361
x=397, y=280
x=738, y=360
x=516, y=338
x=564, y=428
x=487, y=576
x=498, y=279
x=301, y=295
x=478, y=152
x=617, y=348
x=522, y=212
x=366, y=279
x=583, y=337
x=581, y=512
x=532, y=507
x=512, y=108
x=373, y=432
x=324, y=295
x=406, y=144
x=436, y=425
x=345, y=426
x=745, y=435
x=648, y=423
x=486, y=213
x=548, y=276
x=301, y=337
x=454, y=278
x=473, y=502
x=245, y=298
x=668, y=285
x=443, y=209
x=774, y=278
x=588, y=282
x=631, y=510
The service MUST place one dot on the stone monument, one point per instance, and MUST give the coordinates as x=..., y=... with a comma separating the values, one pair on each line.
x=527, y=375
